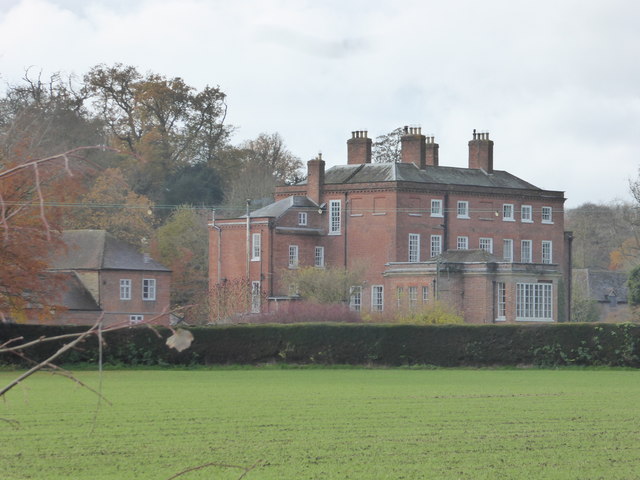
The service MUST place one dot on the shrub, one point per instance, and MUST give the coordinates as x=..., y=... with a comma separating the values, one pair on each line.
x=307, y=312
x=436, y=313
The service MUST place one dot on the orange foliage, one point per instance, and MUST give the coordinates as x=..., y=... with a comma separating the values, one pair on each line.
x=29, y=230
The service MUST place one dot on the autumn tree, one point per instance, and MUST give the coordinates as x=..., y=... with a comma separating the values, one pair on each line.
x=182, y=244
x=30, y=228
x=598, y=230
x=111, y=205
x=39, y=117
x=259, y=165
x=163, y=122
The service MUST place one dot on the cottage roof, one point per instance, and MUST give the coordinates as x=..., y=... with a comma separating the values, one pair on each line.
x=99, y=250
x=409, y=172
x=74, y=295
x=278, y=208
x=602, y=284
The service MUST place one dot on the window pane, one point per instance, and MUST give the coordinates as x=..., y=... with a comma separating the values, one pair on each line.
x=334, y=217
x=414, y=247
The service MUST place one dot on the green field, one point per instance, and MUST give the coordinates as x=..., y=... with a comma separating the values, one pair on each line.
x=326, y=424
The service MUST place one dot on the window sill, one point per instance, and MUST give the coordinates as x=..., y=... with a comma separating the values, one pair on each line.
x=546, y=222
x=508, y=219
x=415, y=214
x=437, y=215
x=526, y=221
x=463, y=217
x=378, y=214
x=356, y=215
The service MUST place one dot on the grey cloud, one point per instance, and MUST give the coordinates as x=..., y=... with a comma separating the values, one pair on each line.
x=311, y=45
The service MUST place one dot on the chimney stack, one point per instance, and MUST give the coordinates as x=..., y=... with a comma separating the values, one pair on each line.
x=315, y=178
x=413, y=147
x=359, y=148
x=481, y=152
x=431, y=158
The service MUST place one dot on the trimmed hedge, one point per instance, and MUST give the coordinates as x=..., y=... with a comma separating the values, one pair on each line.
x=354, y=344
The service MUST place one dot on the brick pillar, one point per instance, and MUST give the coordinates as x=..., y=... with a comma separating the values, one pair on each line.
x=359, y=148
x=481, y=152
x=413, y=146
x=315, y=178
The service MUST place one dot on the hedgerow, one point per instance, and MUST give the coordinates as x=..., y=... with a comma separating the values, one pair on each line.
x=354, y=344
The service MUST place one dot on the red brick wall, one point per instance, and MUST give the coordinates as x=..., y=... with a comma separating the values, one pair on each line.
x=117, y=310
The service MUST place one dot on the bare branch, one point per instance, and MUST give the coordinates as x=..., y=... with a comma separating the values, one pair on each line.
x=216, y=464
x=48, y=361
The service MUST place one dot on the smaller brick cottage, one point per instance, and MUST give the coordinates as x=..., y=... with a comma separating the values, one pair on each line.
x=482, y=240
x=106, y=276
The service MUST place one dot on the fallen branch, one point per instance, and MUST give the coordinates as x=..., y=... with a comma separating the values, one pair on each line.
x=216, y=464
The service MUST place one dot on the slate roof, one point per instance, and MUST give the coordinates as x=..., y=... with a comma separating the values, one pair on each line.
x=278, y=208
x=99, y=250
x=408, y=172
x=603, y=283
x=74, y=295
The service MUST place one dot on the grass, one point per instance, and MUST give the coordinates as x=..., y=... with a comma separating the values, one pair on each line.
x=326, y=424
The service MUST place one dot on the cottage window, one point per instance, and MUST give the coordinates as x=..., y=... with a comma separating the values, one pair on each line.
x=319, y=257
x=462, y=243
x=148, y=288
x=525, y=251
x=534, y=302
x=256, y=241
x=547, y=256
x=293, y=256
x=414, y=247
x=125, y=289
x=436, y=208
x=355, y=299
x=302, y=218
x=377, y=298
x=463, y=209
x=547, y=215
x=335, y=217
x=486, y=244
x=526, y=214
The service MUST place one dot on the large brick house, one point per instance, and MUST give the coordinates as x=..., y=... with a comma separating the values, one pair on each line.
x=104, y=276
x=484, y=241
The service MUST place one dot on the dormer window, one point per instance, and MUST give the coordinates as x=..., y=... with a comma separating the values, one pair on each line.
x=302, y=218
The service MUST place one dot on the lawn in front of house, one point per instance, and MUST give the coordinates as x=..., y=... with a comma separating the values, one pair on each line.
x=315, y=423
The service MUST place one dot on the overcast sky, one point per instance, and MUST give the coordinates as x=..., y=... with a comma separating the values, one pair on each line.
x=556, y=83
